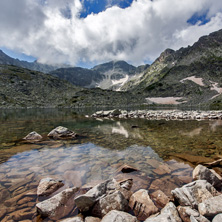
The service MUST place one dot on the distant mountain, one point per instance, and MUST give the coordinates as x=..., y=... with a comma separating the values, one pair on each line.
x=20, y=88
x=194, y=73
x=7, y=60
x=111, y=75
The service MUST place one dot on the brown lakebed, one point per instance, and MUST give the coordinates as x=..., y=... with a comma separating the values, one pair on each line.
x=164, y=152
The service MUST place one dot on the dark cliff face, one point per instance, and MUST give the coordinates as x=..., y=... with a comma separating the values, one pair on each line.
x=102, y=76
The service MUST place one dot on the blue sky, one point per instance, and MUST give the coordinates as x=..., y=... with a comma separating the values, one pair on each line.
x=88, y=32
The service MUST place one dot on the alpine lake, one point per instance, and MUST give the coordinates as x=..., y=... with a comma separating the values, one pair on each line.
x=163, y=152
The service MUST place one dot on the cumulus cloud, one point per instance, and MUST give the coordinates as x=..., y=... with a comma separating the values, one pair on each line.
x=54, y=32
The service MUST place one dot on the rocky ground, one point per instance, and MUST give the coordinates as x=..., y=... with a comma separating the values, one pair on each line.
x=169, y=115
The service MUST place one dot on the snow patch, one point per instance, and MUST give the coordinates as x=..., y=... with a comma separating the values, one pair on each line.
x=165, y=100
x=198, y=81
x=215, y=87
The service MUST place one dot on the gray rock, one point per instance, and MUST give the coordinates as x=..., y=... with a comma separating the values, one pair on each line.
x=114, y=201
x=118, y=216
x=211, y=206
x=186, y=213
x=86, y=201
x=142, y=205
x=203, y=173
x=101, y=194
x=73, y=219
x=168, y=214
x=33, y=136
x=48, y=186
x=57, y=205
x=217, y=218
x=61, y=132
x=194, y=193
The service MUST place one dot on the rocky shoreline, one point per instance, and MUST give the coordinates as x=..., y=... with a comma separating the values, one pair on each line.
x=111, y=200
x=158, y=115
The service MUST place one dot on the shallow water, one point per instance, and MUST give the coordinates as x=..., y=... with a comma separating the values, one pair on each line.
x=164, y=152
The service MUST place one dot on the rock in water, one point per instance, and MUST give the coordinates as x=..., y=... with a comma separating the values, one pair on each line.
x=61, y=132
x=211, y=207
x=118, y=216
x=142, y=205
x=56, y=206
x=203, y=173
x=105, y=197
x=48, y=186
x=33, y=136
x=194, y=193
x=168, y=214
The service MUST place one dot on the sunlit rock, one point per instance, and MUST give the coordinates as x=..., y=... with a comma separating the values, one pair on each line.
x=203, y=173
x=142, y=205
x=118, y=216
x=194, y=193
x=48, y=186
x=33, y=136
x=61, y=132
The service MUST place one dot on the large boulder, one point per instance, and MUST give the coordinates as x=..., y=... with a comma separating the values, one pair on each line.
x=48, y=186
x=118, y=216
x=105, y=197
x=211, y=207
x=59, y=205
x=203, y=173
x=33, y=136
x=113, y=201
x=142, y=205
x=168, y=214
x=61, y=132
x=194, y=193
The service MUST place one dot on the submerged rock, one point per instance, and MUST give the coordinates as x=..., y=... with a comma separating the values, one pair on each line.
x=118, y=216
x=203, y=173
x=33, y=136
x=61, y=132
x=142, y=205
x=194, y=193
x=48, y=186
x=59, y=205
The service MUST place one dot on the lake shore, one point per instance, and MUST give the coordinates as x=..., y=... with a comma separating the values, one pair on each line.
x=159, y=114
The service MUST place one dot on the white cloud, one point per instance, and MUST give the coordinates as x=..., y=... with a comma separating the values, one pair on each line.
x=136, y=34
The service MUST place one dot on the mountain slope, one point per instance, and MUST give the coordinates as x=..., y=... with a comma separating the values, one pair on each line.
x=20, y=88
x=111, y=75
x=194, y=73
x=7, y=60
